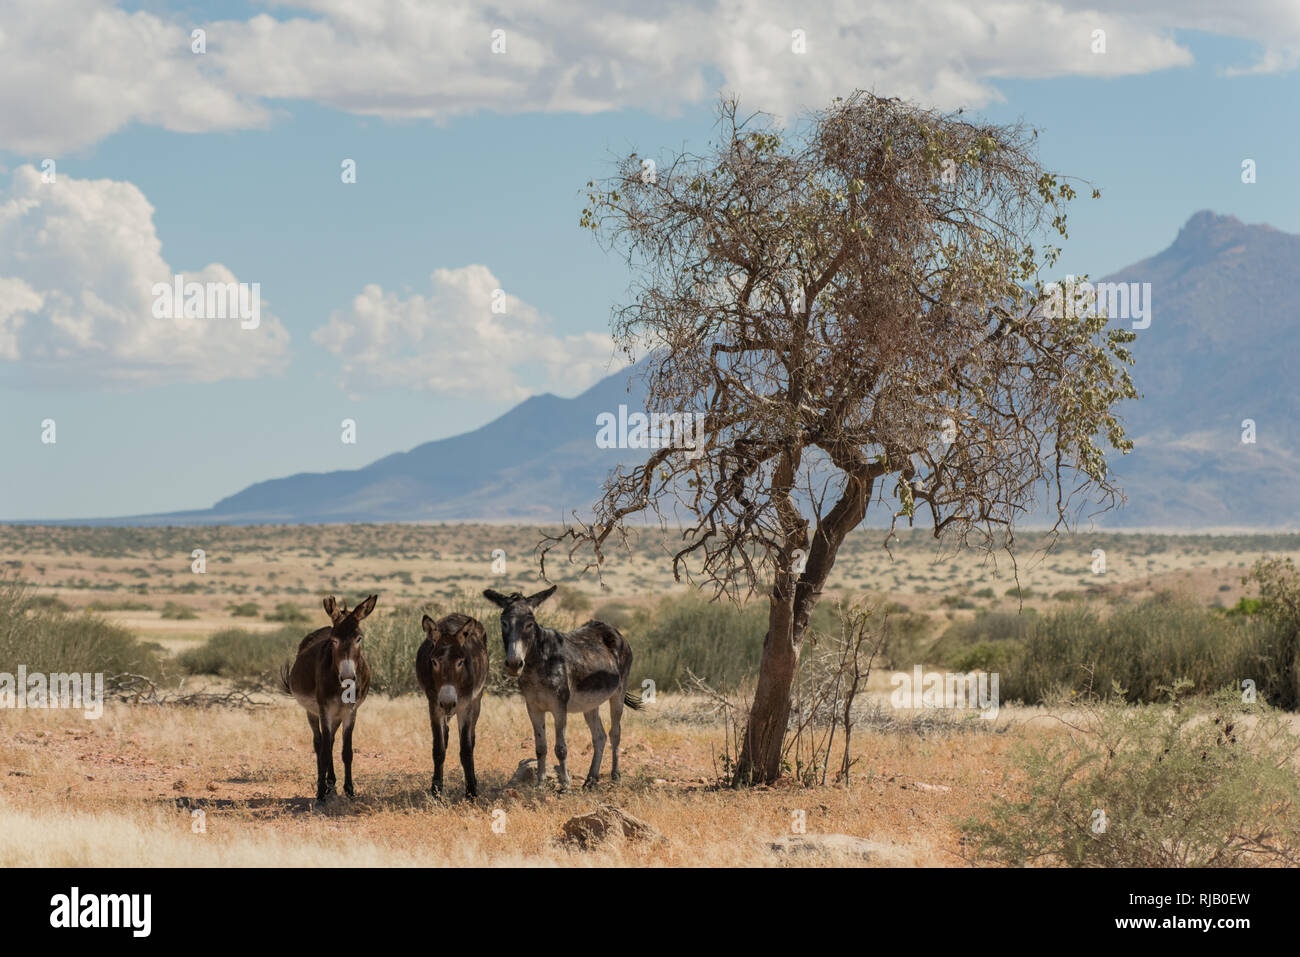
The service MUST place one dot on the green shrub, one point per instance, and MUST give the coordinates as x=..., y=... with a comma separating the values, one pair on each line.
x=1194, y=784
x=246, y=609
x=48, y=640
x=243, y=655
x=573, y=600
x=716, y=640
x=987, y=628
x=177, y=611
x=123, y=605
x=48, y=603
x=1140, y=647
x=904, y=639
x=288, y=612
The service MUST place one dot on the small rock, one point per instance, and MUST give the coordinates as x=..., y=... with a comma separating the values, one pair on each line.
x=526, y=773
x=831, y=845
x=922, y=786
x=607, y=822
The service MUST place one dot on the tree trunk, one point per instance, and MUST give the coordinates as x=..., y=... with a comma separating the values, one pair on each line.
x=787, y=623
x=760, y=756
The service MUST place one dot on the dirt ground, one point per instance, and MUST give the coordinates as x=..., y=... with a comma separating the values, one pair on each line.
x=149, y=785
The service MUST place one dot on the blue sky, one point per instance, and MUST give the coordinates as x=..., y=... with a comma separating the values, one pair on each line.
x=245, y=173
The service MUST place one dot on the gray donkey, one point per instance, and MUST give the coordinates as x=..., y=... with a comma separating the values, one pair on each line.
x=564, y=672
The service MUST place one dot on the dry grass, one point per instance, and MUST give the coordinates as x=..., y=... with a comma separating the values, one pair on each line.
x=416, y=563
x=121, y=791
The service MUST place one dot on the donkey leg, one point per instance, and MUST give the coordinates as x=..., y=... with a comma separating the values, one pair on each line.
x=538, y=718
x=439, y=747
x=561, y=750
x=467, y=750
x=347, y=756
x=597, y=747
x=314, y=723
x=325, y=760
x=615, y=730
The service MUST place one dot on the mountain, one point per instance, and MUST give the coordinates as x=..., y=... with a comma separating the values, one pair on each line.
x=1219, y=349
x=535, y=464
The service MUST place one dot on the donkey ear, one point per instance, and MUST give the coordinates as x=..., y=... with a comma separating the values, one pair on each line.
x=334, y=608
x=496, y=597
x=365, y=608
x=541, y=596
x=428, y=625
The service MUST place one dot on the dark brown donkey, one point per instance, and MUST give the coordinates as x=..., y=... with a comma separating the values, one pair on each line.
x=565, y=672
x=330, y=679
x=452, y=667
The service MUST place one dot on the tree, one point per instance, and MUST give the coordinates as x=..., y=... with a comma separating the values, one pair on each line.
x=856, y=306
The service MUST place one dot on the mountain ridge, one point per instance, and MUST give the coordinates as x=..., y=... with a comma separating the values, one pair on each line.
x=1216, y=354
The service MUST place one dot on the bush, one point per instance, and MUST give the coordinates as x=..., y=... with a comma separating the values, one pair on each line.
x=243, y=655
x=48, y=603
x=50, y=640
x=246, y=609
x=1004, y=629
x=177, y=611
x=905, y=634
x=572, y=600
x=1189, y=784
x=287, y=612
x=1142, y=648
x=716, y=640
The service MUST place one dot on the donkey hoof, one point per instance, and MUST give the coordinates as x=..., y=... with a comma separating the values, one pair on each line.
x=591, y=784
x=349, y=790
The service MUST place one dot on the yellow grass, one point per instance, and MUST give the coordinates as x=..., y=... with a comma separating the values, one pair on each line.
x=122, y=791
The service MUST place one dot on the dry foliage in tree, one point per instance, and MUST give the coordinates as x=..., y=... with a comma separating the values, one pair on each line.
x=857, y=306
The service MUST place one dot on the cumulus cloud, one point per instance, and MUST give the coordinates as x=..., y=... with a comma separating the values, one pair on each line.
x=451, y=342
x=79, y=260
x=75, y=71
x=70, y=77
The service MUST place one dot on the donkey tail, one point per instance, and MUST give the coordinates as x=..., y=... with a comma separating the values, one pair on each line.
x=633, y=701
x=284, y=678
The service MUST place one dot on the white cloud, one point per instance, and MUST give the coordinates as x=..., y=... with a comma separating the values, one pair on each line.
x=78, y=260
x=74, y=71
x=404, y=58
x=451, y=342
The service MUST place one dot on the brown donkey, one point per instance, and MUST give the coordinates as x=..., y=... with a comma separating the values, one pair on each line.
x=330, y=679
x=452, y=667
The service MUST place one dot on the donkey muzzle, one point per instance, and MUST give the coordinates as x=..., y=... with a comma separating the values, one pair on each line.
x=348, y=669
x=447, y=698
